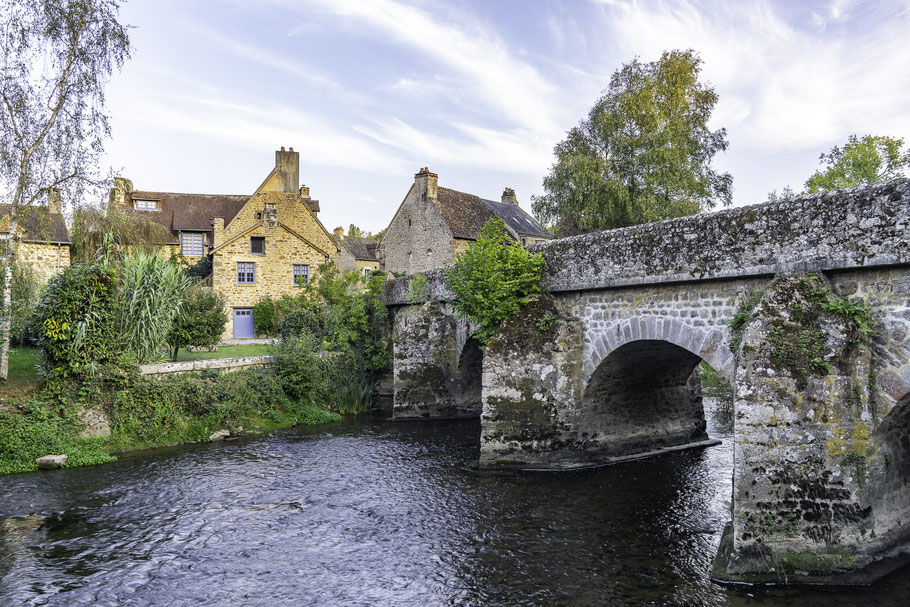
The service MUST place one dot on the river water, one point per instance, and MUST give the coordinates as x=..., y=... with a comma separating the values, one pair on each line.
x=373, y=513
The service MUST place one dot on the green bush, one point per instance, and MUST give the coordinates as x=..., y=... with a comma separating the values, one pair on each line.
x=493, y=279
x=264, y=317
x=72, y=317
x=25, y=290
x=304, y=373
x=200, y=321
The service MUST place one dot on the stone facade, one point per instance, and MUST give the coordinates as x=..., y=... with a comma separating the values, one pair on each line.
x=44, y=259
x=44, y=244
x=434, y=225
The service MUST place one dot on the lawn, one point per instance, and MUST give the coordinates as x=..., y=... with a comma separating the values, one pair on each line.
x=225, y=352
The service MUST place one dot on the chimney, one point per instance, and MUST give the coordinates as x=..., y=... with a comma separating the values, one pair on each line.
x=217, y=230
x=339, y=233
x=287, y=168
x=53, y=200
x=508, y=196
x=121, y=192
x=427, y=182
x=304, y=192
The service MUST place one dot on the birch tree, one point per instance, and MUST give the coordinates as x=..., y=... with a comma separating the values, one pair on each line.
x=57, y=58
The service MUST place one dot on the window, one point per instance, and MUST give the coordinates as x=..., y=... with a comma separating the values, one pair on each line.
x=144, y=204
x=258, y=216
x=366, y=271
x=246, y=272
x=409, y=223
x=524, y=242
x=257, y=245
x=301, y=274
x=191, y=244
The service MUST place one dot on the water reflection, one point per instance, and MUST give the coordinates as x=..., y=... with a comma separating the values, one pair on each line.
x=376, y=513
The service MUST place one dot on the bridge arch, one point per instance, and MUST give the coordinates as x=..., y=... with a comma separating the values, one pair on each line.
x=710, y=344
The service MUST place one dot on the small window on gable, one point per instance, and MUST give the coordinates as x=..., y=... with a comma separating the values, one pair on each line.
x=257, y=245
x=524, y=242
x=258, y=216
x=409, y=223
x=145, y=204
x=191, y=244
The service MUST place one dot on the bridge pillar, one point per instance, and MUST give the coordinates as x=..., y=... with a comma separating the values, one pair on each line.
x=436, y=365
x=820, y=483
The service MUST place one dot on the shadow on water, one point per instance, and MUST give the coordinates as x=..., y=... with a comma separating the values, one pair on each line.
x=374, y=513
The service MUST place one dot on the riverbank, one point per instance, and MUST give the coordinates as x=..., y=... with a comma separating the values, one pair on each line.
x=91, y=420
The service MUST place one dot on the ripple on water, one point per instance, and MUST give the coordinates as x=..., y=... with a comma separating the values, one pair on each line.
x=374, y=514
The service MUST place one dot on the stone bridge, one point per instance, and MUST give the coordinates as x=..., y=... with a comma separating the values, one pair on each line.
x=802, y=305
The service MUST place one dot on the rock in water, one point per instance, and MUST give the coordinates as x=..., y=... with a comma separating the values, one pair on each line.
x=219, y=435
x=51, y=462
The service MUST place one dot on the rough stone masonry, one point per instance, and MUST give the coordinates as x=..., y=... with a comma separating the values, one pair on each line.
x=822, y=408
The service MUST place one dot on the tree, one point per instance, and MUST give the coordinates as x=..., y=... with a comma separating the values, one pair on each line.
x=493, y=278
x=200, y=321
x=354, y=231
x=57, y=57
x=643, y=154
x=869, y=159
x=93, y=229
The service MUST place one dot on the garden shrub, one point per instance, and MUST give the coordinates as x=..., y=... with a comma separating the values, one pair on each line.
x=264, y=317
x=200, y=321
x=73, y=317
x=493, y=279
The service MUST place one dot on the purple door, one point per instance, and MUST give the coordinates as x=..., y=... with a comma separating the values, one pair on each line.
x=243, y=323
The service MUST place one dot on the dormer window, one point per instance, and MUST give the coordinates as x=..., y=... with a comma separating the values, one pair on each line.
x=145, y=204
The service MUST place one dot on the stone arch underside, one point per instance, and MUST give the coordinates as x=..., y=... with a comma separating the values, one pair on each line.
x=644, y=396
x=709, y=344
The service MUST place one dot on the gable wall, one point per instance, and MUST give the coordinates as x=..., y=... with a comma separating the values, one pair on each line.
x=424, y=245
x=274, y=270
x=45, y=260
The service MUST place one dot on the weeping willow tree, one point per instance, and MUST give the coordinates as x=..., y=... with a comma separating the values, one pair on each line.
x=113, y=232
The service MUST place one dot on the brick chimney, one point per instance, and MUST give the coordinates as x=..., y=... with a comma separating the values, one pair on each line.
x=121, y=192
x=427, y=183
x=287, y=169
x=508, y=196
x=339, y=233
x=53, y=200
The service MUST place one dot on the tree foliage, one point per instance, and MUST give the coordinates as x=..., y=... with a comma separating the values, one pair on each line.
x=200, y=321
x=862, y=160
x=57, y=57
x=643, y=154
x=493, y=278
x=112, y=229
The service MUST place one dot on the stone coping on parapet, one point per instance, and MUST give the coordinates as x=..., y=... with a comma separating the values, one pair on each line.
x=222, y=364
x=867, y=226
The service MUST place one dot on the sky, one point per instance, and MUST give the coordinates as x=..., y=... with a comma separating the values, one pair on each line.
x=370, y=91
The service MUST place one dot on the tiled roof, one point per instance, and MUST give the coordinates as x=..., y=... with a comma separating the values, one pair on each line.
x=516, y=218
x=361, y=248
x=191, y=212
x=465, y=214
x=39, y=225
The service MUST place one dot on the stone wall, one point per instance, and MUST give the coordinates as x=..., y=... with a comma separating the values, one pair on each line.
x=297, y=239
x=222, y=364
x=417, y=239
x=436, y=367
x=45, y=260
x=859, y=227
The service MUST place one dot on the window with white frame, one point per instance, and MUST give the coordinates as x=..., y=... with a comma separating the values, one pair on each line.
x=301, y=274
x=246, y=272
x=192, y=244
x=145, y=204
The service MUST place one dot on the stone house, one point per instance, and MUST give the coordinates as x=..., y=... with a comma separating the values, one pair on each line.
x=264, y=244
x=433, y=225
x=44, y=241
x=356, y=253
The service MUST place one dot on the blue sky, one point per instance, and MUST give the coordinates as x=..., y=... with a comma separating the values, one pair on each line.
x=369, y=91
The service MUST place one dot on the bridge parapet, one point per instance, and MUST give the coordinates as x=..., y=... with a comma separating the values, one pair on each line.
x=858, y=227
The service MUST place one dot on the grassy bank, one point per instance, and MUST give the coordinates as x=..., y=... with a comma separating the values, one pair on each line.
x=225, y=352
x=144, y=413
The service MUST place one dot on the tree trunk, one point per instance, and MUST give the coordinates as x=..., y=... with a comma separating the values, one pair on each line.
x=176, y=350
x=7, y=325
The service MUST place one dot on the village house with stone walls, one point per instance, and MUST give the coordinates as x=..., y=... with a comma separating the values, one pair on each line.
x=265, y=244
x=357, y=253
x=434, y=225
x=44, y=241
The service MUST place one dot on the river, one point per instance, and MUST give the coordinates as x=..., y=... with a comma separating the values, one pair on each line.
x=370, y=512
